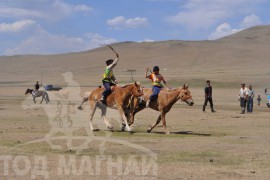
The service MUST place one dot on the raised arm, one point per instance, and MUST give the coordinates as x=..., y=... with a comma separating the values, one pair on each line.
x=146, y=73
x=116, y=59
x=113, y=64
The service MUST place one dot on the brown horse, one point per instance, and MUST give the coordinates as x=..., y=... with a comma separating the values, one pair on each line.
x=120, y=98
x=166, y=99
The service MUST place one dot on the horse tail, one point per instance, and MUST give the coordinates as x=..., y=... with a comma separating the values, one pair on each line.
x=84, y=99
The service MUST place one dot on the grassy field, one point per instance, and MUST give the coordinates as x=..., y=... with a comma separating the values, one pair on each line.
x=221, y=145
x=54, y=141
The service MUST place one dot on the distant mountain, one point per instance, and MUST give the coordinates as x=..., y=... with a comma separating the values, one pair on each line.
x=241, y=56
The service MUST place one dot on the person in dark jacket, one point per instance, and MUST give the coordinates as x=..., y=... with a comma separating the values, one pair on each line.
x=36, y=88
x=208, y=96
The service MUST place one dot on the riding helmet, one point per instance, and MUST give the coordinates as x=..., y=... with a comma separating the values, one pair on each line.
x=109, y=62
x=155, y=68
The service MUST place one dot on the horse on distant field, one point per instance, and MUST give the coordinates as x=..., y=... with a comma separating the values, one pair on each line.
x=166, y=99
x=42, y=94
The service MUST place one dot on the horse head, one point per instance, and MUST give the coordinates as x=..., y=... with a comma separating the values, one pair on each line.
x=185, y=95
x=137, y=91
x=28, y=91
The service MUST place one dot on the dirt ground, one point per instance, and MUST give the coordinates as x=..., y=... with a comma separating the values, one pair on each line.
x=221, y=145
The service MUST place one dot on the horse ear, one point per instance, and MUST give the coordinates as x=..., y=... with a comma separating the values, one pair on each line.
x=135, y=83
x=185, y=86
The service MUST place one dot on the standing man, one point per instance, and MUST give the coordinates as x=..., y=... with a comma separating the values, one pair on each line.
x=243, y=96
x=251, y=95
x=208, y=96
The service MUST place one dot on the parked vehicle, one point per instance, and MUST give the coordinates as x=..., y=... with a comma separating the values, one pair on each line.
x=50, y=87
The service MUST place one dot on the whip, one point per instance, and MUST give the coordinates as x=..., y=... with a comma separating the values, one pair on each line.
x=113, y=50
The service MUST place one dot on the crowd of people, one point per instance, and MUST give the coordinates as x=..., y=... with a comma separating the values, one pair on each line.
x=246, y=96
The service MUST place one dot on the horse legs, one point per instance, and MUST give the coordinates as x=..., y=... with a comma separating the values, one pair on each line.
x=132, y=114
x=41, y=99
x=83, y=101
x=103, y=115
x=34, y=99
x=122, y=114
x=46, y=99
x=93, y=107
x=157, y=122
x=164, y=122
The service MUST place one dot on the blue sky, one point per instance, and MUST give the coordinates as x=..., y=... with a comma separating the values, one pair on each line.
x=61, y=26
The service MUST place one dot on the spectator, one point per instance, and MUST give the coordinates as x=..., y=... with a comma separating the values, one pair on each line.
x=251, y=95
x=243, y=95
x=259, y=100
x=208, y=96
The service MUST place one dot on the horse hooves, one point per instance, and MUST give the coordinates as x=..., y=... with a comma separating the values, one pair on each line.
x=95, y=129
x=80, y=107
x=127, y=129
x=110, y=127
x=148, y=130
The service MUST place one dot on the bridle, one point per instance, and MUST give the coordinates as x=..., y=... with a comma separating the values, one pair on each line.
x=179, y=97
x=139, y=90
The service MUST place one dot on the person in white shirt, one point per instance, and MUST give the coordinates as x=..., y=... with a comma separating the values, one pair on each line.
x=243, y=96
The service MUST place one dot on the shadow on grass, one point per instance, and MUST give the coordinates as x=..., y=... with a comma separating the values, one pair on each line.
x=185, y=133
x=161, y=132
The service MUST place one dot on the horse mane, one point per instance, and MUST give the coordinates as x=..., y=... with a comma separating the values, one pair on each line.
x=172, y=90
x=128, y=85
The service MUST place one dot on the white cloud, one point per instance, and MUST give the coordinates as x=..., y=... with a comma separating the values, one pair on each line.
x=146, y=40
x=122, y=22
x=16, y=26
x=163, y=0
x=43, y=42
x=198, y=14
x=250, y=21
x=136, y=22
x=225, y=29
x=7, y=12
x=82, y=8
x=45, y=9
x=95, y=40
x=116, y=21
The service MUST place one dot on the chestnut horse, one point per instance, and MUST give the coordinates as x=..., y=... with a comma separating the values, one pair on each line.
x=120, y=98
x=166, y=99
